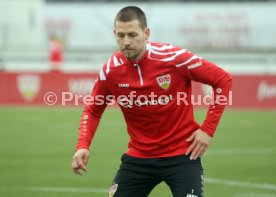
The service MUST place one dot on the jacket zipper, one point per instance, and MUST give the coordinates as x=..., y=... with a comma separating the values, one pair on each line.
x=140, y=75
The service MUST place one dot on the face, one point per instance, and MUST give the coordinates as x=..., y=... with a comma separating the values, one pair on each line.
x=131, y=38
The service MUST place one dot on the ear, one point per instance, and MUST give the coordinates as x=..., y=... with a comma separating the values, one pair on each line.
x=114, y=31
x=147, y=33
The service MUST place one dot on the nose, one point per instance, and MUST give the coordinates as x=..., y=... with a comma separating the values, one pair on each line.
x=126, y=41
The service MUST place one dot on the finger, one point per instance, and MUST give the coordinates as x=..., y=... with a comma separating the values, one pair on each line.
x=85, y=160
x=204, y=150
x=195, y=151
x=200, y=152
x=80, y=164
x=191, y=137
x=77, y=172
x=75, y=167
x=191, y=147
x=74, y=164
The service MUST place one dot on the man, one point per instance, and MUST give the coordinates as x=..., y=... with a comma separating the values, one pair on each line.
x=145, y=78
x=55, y=52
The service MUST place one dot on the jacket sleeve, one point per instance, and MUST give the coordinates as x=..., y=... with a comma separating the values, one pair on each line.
x=93, y=111
x=197, y=69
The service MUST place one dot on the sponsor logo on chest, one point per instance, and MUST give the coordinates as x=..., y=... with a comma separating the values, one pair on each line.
x=164, y=81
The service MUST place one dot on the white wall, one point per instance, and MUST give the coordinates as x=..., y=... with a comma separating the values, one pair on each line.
x=21, y=25
x=208, y=25
x=25, y=24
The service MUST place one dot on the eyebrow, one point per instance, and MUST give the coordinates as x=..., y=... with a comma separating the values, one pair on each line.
x=132, y=32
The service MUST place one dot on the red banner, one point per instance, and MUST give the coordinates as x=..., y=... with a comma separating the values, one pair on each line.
x=33, y=88
x=51, y=88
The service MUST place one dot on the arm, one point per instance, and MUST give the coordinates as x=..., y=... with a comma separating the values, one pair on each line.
x=200, y=70
x=89, y=123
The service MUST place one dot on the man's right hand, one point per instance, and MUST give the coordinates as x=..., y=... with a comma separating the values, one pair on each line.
x=80, y=160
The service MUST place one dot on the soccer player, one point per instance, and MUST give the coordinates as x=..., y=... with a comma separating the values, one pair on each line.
x=146, y=79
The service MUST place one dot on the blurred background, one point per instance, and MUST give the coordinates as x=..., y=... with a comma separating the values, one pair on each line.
x=60, y=45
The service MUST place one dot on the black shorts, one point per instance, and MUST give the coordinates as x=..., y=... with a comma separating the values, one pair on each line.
x=137, y=176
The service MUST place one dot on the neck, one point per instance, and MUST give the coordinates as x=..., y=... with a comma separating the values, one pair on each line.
x=141, y=54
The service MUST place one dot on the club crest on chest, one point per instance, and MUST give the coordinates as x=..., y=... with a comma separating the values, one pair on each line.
x=164, y=81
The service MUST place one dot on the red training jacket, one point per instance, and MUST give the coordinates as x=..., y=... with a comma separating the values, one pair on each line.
x=154, y=95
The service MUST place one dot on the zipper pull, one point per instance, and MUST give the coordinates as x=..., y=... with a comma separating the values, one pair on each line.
x=136, y=64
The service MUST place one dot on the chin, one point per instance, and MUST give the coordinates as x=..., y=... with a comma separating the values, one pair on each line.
x=128, y=56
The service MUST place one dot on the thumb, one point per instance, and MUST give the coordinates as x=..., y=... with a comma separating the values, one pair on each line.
x=191, y=137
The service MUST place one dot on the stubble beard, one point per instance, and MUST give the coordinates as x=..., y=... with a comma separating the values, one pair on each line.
x=133, y=55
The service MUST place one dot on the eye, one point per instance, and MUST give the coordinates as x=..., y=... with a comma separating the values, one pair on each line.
x=119, y=35
x=133, y=35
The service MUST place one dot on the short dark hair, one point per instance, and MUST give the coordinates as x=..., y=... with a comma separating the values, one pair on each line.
x=130, y=13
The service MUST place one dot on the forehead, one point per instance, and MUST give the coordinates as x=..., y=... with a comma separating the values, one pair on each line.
x=129, y=26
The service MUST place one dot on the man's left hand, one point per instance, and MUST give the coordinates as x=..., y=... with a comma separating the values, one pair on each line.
x=201, y=141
